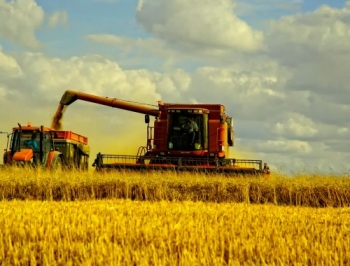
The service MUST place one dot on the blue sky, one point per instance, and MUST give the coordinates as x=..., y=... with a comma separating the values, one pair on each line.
x=118, y=17
x=279, y=66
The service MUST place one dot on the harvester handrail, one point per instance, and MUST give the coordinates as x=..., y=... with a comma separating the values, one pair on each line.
x=141, y=151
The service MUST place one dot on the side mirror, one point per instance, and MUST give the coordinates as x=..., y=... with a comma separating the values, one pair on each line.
x=222, y=119
x=146, y=119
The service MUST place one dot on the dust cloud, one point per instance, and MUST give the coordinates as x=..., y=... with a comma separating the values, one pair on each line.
x=57, y=118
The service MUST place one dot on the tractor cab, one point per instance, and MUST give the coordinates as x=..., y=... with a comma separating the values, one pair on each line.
x=187, y=129
x=29, y=145
x=43, y=146
x=31, y=139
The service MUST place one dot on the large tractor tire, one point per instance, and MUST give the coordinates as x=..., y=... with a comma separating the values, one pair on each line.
x=57, y=164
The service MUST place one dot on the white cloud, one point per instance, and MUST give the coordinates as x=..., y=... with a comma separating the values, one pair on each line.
x=208, y=26
x=325, y=29
x=8, y=67
x=91, y=74
x=18, y=21
x=286, y=146
x=3, y=91
x=297, y=125
x=58, y=17
x=174, y=86
x=139, y=5
x=247, y=94
x=342, y=131
x=314, y=48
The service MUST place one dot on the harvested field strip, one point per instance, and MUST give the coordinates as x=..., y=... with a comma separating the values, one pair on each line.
x=67, y=186
x=125, y=232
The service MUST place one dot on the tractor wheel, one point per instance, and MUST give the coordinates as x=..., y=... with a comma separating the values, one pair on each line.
x=57, y=165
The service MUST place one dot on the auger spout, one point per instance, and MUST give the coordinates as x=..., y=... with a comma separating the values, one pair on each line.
x=71, y=96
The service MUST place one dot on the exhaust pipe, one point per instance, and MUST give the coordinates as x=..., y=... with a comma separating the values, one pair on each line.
x=19, y=138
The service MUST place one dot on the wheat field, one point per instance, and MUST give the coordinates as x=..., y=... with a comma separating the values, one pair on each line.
x=75, y=218
x=301, y=190
x=125, y=232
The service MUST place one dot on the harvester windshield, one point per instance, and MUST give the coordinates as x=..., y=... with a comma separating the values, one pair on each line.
x=188, y=129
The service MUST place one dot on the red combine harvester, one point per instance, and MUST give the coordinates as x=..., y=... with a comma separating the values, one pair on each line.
x=42, y=146
x=184, y=137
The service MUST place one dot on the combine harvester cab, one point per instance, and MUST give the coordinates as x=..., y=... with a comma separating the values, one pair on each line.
x=36, y=147
x=184, y=137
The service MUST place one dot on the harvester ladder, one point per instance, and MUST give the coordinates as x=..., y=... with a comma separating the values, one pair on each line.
x=150, y=138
